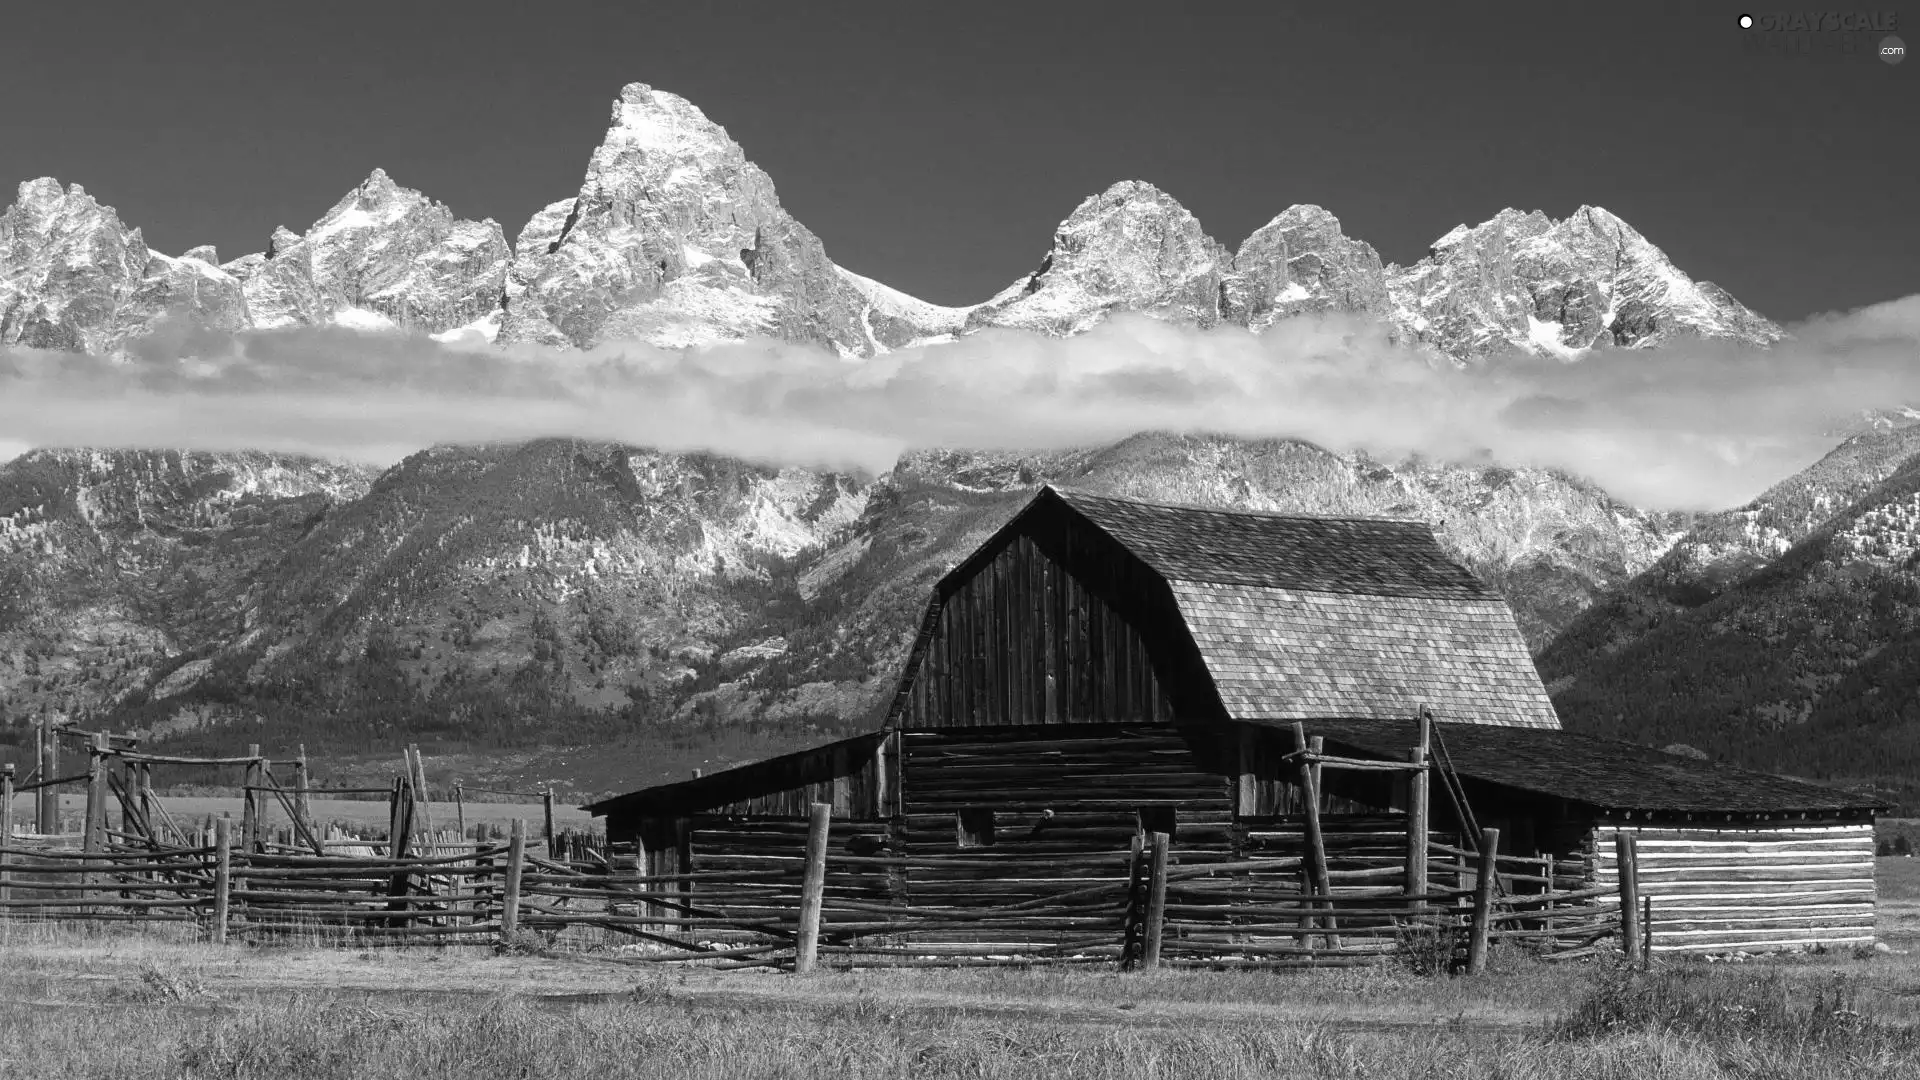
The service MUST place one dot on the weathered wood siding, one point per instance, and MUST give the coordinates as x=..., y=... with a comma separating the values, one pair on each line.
x=854, y=775
x=729, y=842
x=1095, y=783
x=1770, y=886
x=1055, y=627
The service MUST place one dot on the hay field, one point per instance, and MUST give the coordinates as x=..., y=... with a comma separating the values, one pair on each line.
x=351, y=814
x=116, y=1003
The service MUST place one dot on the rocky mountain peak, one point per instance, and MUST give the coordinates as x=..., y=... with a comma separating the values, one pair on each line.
x=73, y=276
x=1131, y=247
x=1301, y=262
x=1523, y=282
x=384, y=255
x=676, y=239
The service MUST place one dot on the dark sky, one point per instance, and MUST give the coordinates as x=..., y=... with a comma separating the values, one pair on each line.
x=935, y=146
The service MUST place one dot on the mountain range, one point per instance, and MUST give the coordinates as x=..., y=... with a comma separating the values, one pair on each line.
x=571, y=593
x=676, y=239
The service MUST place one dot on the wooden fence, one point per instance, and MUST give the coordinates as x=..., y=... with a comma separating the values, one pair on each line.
x=819, y=903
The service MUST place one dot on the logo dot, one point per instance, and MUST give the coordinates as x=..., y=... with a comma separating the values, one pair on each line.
x=1892, y=49
x=1746, y=22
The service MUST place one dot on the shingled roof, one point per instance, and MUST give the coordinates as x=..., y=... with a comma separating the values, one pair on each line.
x=1604, y=773
x=1363, y=556
x=1302, y=617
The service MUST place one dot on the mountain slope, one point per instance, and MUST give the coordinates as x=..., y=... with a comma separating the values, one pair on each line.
x=1809, y=666
x=1132, y=247
x=676, y=239
x=1720, y=549
x=74, y=277
x=1522, y=282
x=383, y=256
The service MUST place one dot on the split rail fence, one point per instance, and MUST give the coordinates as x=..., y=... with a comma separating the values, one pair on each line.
x=1138, y=908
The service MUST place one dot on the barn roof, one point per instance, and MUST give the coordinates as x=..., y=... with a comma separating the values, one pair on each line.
x=1603, y=773
x=1303, y=617
x=1359, y=556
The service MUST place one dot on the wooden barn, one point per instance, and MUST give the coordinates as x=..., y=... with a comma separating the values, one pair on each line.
x=1104, y=667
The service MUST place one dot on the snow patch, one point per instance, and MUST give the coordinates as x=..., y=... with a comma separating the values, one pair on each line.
x=1545, y=337
x=484, y=329
x=354, y=318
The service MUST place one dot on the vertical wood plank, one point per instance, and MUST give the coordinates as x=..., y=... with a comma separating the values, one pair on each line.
x=1417, y=826
x=510, y=888
x=1156, y=900
x=47, y=817
x=1627, y=861
x=6, y=826
x=250, y=802
x=303, y=786
x=1483, y=902
x=96, y=826
x=812, y=888
x=222, y=879
x=1316, y=861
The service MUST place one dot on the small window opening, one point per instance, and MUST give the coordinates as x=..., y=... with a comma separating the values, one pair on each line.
x=1155, y=819
x=976, y=828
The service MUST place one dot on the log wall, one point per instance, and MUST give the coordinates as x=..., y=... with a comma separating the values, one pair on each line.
x=1768, y=886
x=1054, y=795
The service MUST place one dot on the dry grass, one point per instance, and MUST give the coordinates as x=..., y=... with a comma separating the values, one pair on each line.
x=349, y=813
x=116, y=1003
x=157, y=1004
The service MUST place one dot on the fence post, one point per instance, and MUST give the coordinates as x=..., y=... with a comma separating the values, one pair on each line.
x=302, y=791
x=1646, y=921
x=1156, y=901
x=812, y=887
x=250, y=806
x=510, y=889
x=1316, y=861
x=47, y=813
x=460, y=808
x=1627, y=861
x=1488, y=869
x=222, y=878
x=96, y=794
x=1131, y=928
x=1417, y=790
x=423, y=797
x=546, y=799
x=6, y=825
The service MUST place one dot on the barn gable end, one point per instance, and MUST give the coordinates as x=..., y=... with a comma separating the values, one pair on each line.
x=1091, y=609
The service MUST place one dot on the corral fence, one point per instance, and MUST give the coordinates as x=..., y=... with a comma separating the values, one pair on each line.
x=822, y=904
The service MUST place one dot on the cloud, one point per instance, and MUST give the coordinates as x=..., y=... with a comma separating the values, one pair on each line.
x=1693, y=426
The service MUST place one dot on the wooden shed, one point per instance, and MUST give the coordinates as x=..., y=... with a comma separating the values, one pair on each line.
x=1102, y=667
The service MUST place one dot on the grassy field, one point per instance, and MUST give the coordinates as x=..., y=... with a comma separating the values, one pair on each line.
x=102, y=1005
x=114, y=1003
x=353, y=815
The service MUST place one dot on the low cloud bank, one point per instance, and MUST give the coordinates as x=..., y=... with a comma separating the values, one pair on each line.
x=1700, y=425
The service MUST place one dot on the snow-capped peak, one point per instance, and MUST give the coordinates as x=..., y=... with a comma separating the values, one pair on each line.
x=1131, y=246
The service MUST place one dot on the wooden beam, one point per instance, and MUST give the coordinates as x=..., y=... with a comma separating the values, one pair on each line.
x=47, y=813
x=1417, y=825
x=250, y=804
x=1627, y=858
x=6, y=823
x=510, y=888
x=1156, y=920
x=812, y=888
x=96, y=828
x=222, y=879
x=1485, y=873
